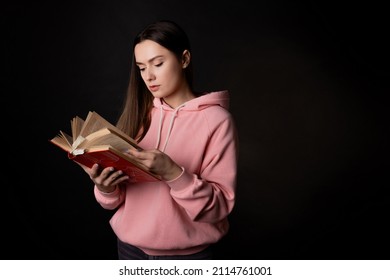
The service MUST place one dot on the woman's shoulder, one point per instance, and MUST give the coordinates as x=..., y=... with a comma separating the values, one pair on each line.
x=209, y=101
x=217, y=114
x=215, y=106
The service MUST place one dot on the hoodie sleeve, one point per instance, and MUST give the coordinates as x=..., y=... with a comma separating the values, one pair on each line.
x=111, y=200
x=210, y=197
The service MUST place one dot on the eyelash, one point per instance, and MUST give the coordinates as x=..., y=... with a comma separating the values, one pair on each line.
x=157, y=65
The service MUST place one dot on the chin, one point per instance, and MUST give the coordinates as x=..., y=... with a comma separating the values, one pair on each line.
x=158, y=95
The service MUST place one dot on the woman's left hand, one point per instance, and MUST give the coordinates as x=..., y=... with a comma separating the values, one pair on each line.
x=158, y=163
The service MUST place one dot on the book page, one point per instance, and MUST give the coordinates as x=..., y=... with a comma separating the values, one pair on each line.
x=63, y=140
x=95, y=122
x=76, y=125
x=106, y=136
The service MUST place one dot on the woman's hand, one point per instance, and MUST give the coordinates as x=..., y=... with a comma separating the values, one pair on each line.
x=157, y=162
x=107, y=179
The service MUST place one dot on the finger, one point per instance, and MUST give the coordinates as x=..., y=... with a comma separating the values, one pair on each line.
x=106, y=172
x=116, y=175
x=135, y=152
x=142, y=155
x=94, y=171
x=144, y=158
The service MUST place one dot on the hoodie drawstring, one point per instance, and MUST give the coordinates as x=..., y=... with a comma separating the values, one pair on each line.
x=159, y=128
x=169, y=128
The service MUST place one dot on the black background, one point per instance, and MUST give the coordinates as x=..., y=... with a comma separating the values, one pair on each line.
x=308, y=83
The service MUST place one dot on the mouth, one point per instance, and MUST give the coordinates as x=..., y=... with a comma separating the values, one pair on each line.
x=154, y=88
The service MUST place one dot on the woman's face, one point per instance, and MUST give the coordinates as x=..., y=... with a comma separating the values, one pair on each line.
x=160, y=69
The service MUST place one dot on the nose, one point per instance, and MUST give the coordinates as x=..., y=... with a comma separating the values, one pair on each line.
x=149, y=75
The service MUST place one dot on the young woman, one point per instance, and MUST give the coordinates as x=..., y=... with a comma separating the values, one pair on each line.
x=188, y=139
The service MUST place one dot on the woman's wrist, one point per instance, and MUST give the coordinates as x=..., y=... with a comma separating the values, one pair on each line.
x=108, y=190
x=172, y=173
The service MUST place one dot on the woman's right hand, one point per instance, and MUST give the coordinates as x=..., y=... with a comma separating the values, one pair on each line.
x=107, y=179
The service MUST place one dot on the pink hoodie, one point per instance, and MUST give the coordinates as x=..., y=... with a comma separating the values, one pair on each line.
x=185, y=215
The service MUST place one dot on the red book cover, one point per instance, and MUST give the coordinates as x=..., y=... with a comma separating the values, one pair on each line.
x=112, y=158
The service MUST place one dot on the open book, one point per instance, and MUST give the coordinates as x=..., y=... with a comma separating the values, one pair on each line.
x=95, y=140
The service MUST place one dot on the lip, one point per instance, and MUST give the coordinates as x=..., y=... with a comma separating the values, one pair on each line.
x=154, y=88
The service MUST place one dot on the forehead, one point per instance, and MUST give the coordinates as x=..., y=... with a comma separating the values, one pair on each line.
x=148, y=49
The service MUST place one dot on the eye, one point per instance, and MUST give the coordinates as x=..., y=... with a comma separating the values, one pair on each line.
x=141, y=69
x=158, y=64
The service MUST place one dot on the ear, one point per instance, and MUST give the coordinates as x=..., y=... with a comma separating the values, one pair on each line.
x=185, y=59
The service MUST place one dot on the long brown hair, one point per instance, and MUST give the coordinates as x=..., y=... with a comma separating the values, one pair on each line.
x=135, y=117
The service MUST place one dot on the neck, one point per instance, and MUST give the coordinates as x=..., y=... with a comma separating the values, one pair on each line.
x=178, y=99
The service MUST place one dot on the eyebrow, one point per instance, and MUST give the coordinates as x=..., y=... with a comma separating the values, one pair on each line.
x=150, y=60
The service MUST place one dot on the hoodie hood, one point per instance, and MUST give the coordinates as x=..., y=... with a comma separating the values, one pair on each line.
x=205, y=100
x=216, y=98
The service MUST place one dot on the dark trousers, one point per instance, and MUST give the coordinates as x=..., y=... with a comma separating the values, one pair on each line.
x=130, y=252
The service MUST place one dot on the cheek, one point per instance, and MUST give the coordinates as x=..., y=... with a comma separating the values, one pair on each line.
x=171, y=74
x=171, y=81
x=142, y=75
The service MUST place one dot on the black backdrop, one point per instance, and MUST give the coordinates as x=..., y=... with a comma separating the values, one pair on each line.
x=308, y=82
